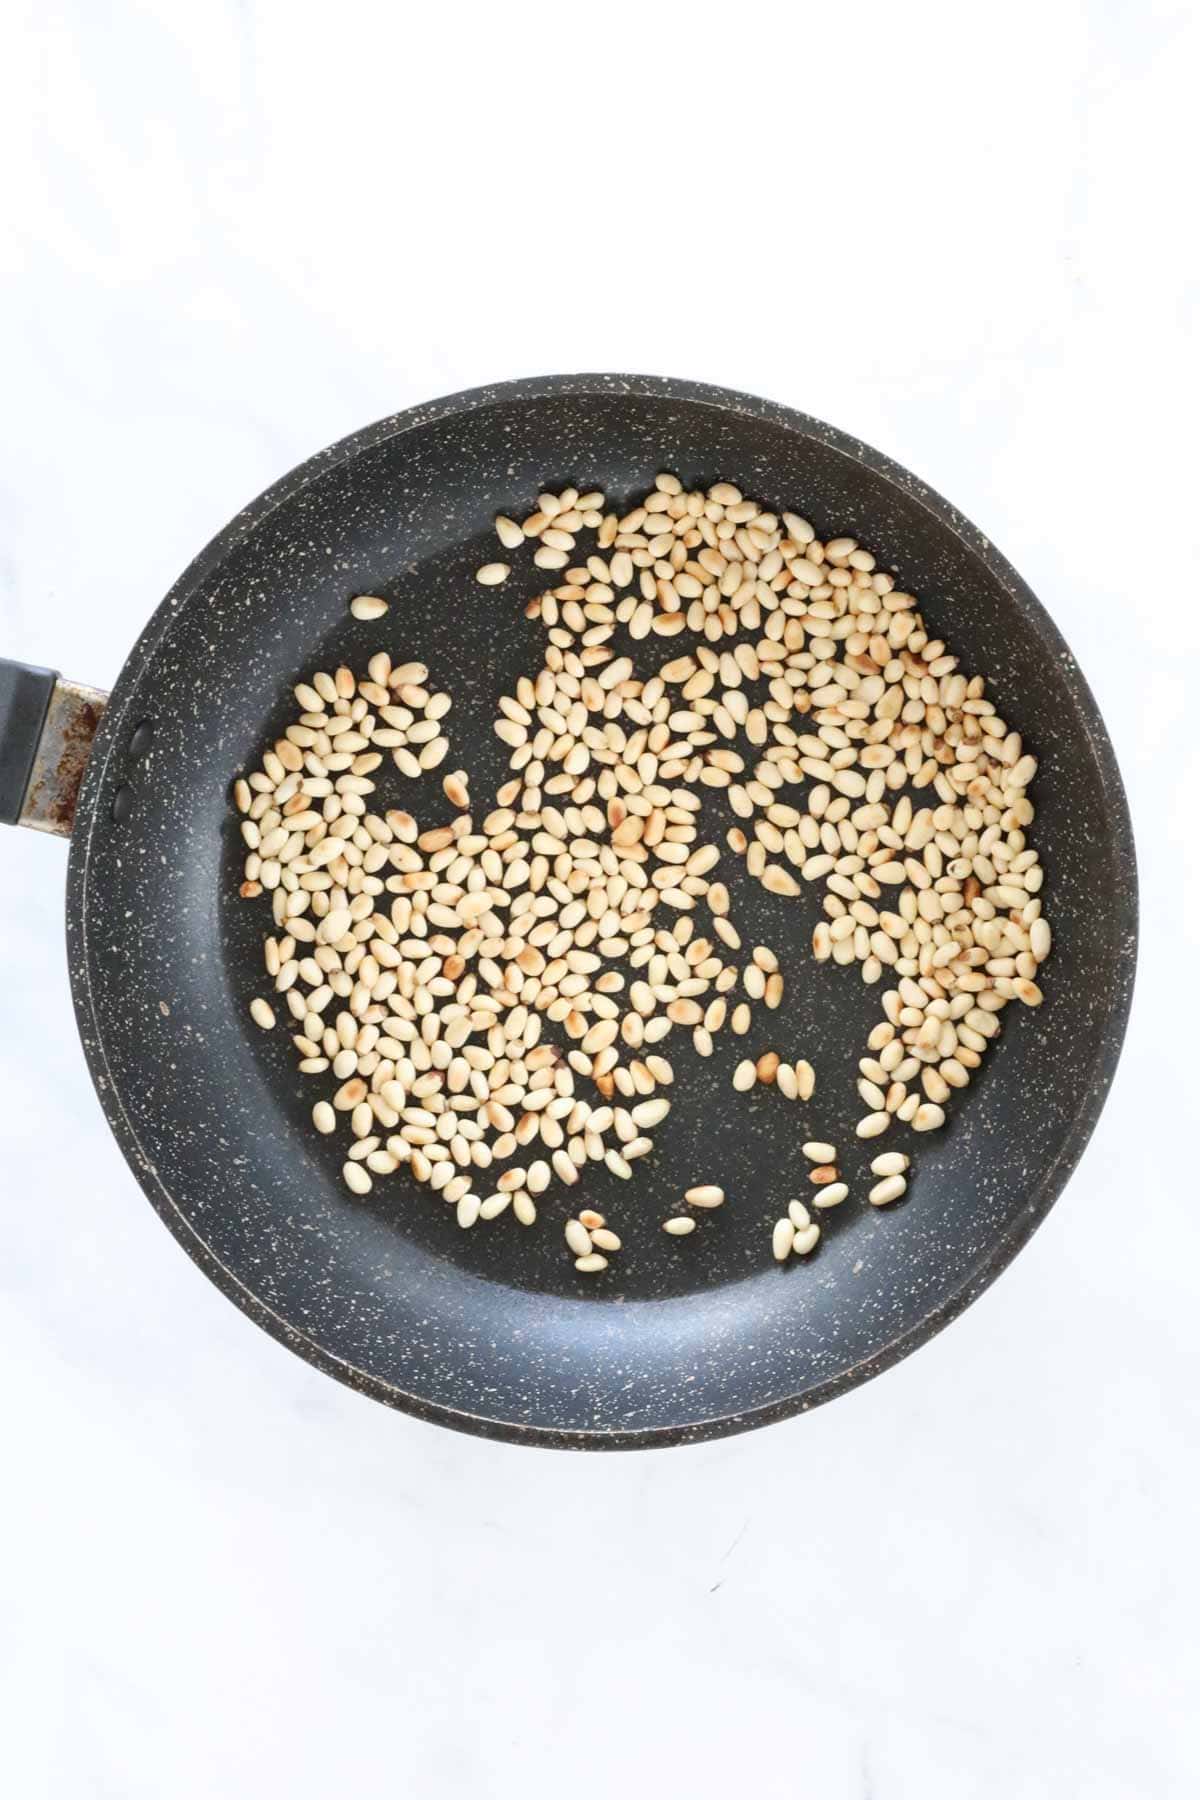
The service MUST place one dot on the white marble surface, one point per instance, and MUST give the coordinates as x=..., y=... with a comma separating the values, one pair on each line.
x=231, y=233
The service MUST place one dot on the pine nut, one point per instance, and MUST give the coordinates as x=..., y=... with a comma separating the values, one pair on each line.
x=805, y=1241
x=873, y=1124
x=706, y=1196
x=368, y=606
x=887, y=1190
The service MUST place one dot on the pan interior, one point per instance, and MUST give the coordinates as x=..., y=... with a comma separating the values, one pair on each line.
x=494, y=1323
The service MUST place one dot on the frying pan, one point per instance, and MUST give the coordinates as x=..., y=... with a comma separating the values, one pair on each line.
x=491, y=1330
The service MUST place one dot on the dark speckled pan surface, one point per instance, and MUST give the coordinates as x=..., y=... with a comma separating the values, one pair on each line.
x=491, y=1330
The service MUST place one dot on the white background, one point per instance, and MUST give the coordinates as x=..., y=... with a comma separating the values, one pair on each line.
x=233, y=231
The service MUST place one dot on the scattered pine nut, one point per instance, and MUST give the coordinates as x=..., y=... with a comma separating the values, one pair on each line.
x=887, y=1190
x=890, y=1162
x=578, y=1240
x=785, y=1081
x=650, y=1112
x=831, y=1195
x=819, y=1152
x=806, y=1081
x=679, y=1227
x=776, y=879
x=782, y=1238
x=262, y=1014
x=705, y=1196
x=492, y=574
x=454, y=786
x=368, y=606
x=509, y=532
x=591, y=1264
x=873, y=1124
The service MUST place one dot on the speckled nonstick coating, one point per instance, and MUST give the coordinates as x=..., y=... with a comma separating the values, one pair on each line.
x=491, y=1330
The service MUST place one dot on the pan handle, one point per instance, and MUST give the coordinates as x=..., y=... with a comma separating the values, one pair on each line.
x=46, y=731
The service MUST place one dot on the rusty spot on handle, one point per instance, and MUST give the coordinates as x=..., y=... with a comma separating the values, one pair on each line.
x=66, y=743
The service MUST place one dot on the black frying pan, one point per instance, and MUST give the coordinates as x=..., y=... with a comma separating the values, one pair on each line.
x=491, y=1330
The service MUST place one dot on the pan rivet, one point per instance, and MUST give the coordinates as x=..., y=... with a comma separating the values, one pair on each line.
x=122, y=804
x=139, y=743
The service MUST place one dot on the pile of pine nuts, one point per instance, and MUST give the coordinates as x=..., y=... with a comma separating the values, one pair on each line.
x=590, y=1242
x=421, y=968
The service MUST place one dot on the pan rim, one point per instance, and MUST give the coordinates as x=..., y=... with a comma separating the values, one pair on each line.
x=1123, y=902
